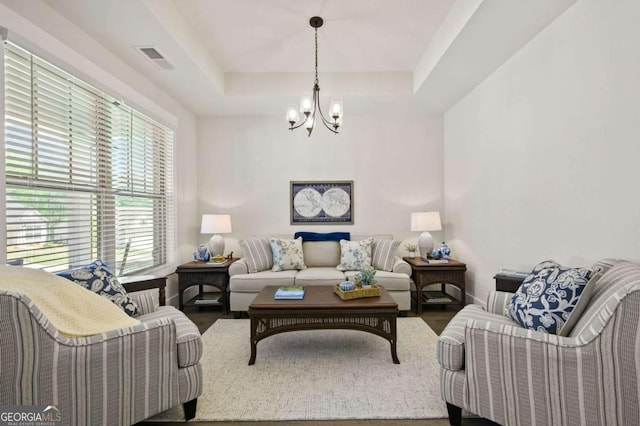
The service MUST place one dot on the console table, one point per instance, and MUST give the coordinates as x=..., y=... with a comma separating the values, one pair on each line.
x=425, y=273
x=201, y=274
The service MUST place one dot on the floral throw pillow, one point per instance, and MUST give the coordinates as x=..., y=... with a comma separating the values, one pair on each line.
x=354, y=255
x=548, y=296
x=287, y=254
x=98, y=278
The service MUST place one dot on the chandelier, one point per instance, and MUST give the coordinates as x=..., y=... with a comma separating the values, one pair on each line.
x=310, y=104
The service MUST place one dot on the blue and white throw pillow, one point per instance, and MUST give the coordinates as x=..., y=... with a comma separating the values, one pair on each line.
x=547, y=296
x=98, y=278
x=287, y=254
x=354, y=255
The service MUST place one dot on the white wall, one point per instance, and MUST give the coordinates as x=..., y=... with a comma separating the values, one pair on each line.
x=245, y=165
x=47, y=33
x=541, y=159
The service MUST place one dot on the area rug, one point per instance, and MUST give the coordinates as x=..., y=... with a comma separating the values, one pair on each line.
x=317, y=375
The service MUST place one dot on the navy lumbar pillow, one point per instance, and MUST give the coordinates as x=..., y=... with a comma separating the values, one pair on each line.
x=548, y=296
x=323, y=236
x=98, y=278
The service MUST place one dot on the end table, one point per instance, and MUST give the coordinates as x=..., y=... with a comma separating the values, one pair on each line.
x=507, y=282
x=425, y=273
x=145, y=282
x=201, y=274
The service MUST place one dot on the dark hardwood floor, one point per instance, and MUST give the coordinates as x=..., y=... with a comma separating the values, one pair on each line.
x=435, y=316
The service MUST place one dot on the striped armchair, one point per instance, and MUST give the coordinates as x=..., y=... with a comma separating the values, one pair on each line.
x=116, y=378
x=493, y=368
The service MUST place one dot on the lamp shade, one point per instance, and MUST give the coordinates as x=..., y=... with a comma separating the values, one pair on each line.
x=426, y=221
x=215, y=224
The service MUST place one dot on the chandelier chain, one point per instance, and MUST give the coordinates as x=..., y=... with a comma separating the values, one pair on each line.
x=316, y=56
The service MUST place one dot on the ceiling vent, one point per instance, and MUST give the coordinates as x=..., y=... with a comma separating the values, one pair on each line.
x=155, y=56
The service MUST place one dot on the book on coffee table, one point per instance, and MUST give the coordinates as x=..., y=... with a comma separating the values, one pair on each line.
x=295, y=292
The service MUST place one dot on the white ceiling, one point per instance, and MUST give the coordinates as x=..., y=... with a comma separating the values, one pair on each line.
x=235, y=57
x=275, y=36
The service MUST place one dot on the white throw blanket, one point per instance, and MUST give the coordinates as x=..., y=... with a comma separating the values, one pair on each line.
x=73, y=310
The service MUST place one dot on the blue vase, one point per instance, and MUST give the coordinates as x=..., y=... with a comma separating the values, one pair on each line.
x=203, y=253
x=444, y=251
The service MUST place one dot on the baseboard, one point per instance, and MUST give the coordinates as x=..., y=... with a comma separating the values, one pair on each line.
x=172, y=301
x=476, y=301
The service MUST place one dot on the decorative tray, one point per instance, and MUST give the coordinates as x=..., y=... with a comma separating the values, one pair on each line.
x=357, y=293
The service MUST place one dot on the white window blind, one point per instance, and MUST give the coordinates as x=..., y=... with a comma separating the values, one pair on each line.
x=87, y=178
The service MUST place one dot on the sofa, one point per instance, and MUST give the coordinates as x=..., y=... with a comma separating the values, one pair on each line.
x=321, y=259
x=116, y=377
x=492, y=367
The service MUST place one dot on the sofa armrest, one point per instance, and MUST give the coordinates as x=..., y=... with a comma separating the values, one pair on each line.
x=148, y=301
x=401, y=266
x=497, y=302
x=239, y=267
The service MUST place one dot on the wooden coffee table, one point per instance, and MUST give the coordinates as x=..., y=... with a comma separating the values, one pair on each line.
x=321, y=308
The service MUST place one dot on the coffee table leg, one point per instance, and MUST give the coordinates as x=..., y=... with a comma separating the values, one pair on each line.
x=394, y=339
x=252, y=360
x=254, y=325
x=394, y=354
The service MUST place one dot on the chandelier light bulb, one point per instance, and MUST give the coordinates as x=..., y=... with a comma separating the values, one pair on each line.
x=292, y=114
x=336, y=108
x=305, y=104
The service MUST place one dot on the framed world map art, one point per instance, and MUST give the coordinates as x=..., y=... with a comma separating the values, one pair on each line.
x=322, y=202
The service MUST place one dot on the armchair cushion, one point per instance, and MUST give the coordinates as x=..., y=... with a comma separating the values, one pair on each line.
x=147, y=300
x=547, y=296
x=98, y=278
x=498, y=302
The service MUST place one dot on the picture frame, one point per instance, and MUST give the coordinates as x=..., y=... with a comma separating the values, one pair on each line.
x=321, y=202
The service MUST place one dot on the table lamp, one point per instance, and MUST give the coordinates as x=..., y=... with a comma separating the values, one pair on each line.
x=216, y=224
x=425, y=221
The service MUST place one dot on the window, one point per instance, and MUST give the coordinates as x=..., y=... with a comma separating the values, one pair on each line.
x=86, y=177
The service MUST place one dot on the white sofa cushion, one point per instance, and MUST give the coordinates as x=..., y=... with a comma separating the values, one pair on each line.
x=354, y=255
x=253, y=283
x=321, y=253
x=319, y=276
